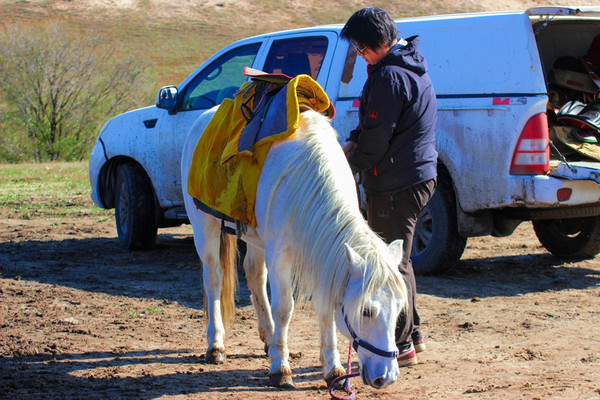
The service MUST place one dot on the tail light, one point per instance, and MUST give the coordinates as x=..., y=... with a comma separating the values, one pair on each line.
x=532, y=154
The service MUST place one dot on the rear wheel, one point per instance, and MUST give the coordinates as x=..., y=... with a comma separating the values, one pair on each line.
x=437, y=246
x=135, y=208
x=571, y=237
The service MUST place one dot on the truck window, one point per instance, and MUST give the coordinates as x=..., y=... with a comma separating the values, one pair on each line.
x=354, y=75
x=219, y=80
x=297, y=56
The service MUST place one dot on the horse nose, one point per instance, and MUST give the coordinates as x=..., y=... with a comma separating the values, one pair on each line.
x=378, y=383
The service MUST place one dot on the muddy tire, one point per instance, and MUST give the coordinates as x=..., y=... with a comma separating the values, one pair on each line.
x=437, y=246
x=135, y=208
x=570, y=237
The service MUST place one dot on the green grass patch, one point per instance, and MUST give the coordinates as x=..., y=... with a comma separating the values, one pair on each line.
x=50, y=190
x=149, y=311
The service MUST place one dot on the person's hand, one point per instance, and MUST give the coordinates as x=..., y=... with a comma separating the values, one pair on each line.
x=349, y=148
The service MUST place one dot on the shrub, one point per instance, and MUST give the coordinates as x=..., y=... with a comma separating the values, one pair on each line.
x=58, y=87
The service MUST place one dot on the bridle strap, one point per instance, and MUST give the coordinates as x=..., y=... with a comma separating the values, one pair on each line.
x=358, y=342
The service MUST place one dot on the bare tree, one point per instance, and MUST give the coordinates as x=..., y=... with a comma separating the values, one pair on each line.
x=60, y=87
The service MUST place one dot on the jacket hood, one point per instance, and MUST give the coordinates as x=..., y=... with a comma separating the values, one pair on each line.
x=406, y=54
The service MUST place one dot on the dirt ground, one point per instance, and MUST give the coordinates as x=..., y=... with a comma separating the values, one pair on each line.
x=82, y=318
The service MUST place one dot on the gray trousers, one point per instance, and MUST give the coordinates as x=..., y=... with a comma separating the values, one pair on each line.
x=394, y=216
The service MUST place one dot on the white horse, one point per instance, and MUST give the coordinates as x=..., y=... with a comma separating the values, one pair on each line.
x=313, y=241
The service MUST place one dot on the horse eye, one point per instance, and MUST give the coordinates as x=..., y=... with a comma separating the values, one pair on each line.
x=367, y=312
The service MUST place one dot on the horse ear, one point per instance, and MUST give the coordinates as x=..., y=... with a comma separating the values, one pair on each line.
x=356, y=261
x=396, y=250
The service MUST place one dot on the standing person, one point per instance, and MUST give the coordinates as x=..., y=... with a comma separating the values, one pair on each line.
x=393, y=146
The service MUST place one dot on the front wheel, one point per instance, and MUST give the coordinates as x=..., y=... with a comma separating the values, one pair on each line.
x=134, y=208
x=571, y=237
x=437, y=246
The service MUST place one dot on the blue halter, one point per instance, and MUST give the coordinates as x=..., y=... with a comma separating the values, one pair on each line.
x=358, y=342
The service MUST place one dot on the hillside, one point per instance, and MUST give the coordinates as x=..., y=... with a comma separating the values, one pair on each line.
x=175, y=36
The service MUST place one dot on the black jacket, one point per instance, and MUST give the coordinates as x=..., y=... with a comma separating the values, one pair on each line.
x=397, y=117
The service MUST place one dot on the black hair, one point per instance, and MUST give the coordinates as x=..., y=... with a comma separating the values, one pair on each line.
x=370, y=27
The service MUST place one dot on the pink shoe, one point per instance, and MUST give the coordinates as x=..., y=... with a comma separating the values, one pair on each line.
x=407, y=357
x=420, y=345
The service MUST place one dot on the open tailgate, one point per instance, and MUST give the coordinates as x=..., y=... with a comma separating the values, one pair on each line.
x=579, y=170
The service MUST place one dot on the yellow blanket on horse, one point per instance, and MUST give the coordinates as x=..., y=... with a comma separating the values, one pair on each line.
x=226, y=166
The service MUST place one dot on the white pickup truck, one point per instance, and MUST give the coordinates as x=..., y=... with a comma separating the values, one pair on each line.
x=497, y=166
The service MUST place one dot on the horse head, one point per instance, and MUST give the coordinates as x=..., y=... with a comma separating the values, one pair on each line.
x=375, y=297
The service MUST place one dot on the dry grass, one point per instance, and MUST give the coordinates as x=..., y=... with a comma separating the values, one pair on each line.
x=175, y=36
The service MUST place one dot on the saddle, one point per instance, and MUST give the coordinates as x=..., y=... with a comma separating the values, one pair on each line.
x=576, y=77
x=229, y=156
x=269, y=112
x=580, y=115
x=579, y=118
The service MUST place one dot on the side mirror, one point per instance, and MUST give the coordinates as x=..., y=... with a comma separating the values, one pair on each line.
x=167, y=98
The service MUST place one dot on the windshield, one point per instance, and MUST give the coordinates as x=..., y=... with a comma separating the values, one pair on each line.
x=220, y=80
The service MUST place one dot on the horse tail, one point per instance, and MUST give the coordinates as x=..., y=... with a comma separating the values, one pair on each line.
x=228, y=255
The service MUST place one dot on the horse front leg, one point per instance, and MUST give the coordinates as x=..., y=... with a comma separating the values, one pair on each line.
x=330, y=357
x=256, y=276
x=282, y=307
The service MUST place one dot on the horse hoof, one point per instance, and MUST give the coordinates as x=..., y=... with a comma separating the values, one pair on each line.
x=282, y=380
x=215, y=356
x=335, y=373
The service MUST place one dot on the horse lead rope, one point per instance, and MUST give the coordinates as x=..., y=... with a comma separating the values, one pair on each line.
x=356, y=343
x=347, y=377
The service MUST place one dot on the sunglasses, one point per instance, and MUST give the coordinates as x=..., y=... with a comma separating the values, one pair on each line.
x=361, y=51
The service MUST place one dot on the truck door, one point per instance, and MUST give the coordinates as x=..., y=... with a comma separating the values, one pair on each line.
x=217, y=81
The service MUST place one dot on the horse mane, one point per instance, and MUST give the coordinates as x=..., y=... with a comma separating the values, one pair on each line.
x=323, y=211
